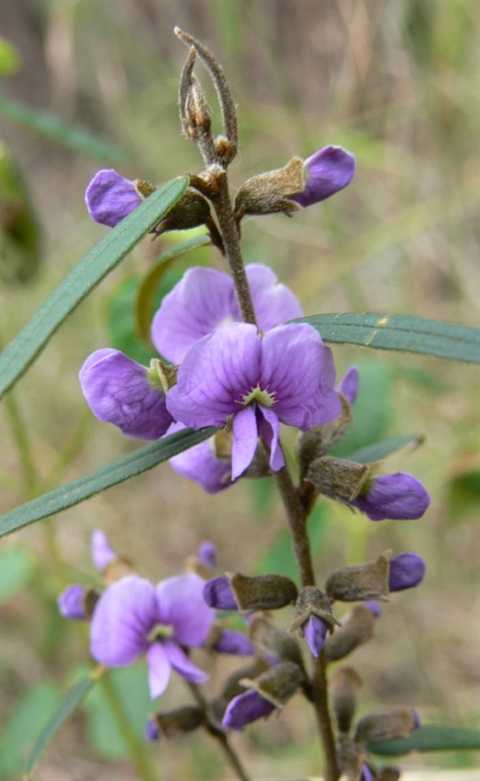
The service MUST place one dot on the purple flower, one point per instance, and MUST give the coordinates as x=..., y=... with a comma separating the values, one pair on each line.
x=70, y=602
x=102, y=553
x=133, y=617
x=349, y=384
x=244, y=709
x=400, y=497
x=200, y=463
x=218, y=594
x=315, y=632
x=235, y=374
x=406, y=571
x=327, y=171
x=205, y=299
x=232, y=642
x=110, y=197
x=121, y=391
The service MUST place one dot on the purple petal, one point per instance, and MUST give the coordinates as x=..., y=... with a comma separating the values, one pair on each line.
x=70, y=602
x=315, y=631
x=151, y=730
x=207, y=554
x=218, y=594
x=274, y=303
x=182, y=606
x=232, y=642
x=269, y=430
x=373, y=607
x=159, y=669
x=102, y=553
x=244, y=709
x=327, y=171
x=202, y=300
x=406, y=571
x=182, y=664
x=124, y=616
x=400, y=497
x=298, y=368
x=245, y=435
x=118, y=391
x=216, y=373
x=110, y=197
x=349, y=384
x=366, y=774
x=200, y=463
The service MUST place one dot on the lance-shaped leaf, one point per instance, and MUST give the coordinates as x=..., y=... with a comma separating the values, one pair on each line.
x=20, y=353
x=431, y=737
x=400, y=332
x=93, y=483
x=69, y=704
x=380, y=450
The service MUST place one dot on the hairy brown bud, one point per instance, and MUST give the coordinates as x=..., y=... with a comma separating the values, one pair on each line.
x=312, y=601
x=344, y=686
x=232, y=687
x=318, y=440
x=355, y=631
x=365, y=581
x=190, y=211
x=270, y=639
x=179, y=721
x=376, y=727
x=278, y=684
x=337, y=478
x=262, y=592
x=350, y=759
x=272, y=191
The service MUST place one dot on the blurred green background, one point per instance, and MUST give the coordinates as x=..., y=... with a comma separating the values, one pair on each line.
x=396, y=82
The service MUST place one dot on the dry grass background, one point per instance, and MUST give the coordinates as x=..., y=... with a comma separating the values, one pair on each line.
x=396, y=81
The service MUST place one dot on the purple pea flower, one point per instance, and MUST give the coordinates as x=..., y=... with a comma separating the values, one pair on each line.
x=246, y=708
x=133, y=617
x=200, y=463
x=110, y=197
x=119, y=390
x=406, y=571
x=400, y=497
x=257, y=382
x=205, y=299
x=70, y=602
x=327, y=171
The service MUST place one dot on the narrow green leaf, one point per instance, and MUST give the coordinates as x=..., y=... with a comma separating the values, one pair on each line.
x=107, y=476
x=380, y=450
x=20, y=353
x=400, y=332
x=68, y=705
x=431, y=737
x=56, y=129
x=144, y=303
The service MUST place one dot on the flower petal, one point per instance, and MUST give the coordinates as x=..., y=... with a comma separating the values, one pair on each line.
x=269, y=430
x=274, y=303
x=406, y=571
x=327, y=171
x=118, y=391
x=124, y=616
x=110, y=197
x=159, y=669
x=400, y=497
x=218, y=594
x=349, y=384
x=181, y=605
x=70, y=602
x=245, y=435
x=199, y=463
x=182, y=664
x=244, y=709
x=315, y=631
x=102, y=553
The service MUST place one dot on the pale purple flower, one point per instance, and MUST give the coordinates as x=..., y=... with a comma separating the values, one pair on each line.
x=205, y=299
x=102, y=553
x=327, y=171
x=200, y=463
x=218, y=594
x=315, y=632
x=257, y=382
x=119, y=390
x=70, y=602
x=406, y=571
x=232, y=642
x=133, y=617
x=349, y=384
x=399, y=497
x=110, y=197
x=244, y=709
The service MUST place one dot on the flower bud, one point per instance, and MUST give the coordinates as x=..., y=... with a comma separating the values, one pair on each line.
x=400, y=497
x=356, y=630
x=110, y=197
x=272, y=191
x=344, y=686
x=232, y=688
x=376, y=727
x=218, y=594
x=362, y=582
x=337, y=478
x=274, y=642
x=326, y=172
x=190, y=211
x=71, y=602
x=195, y=113
x=246, y=708
x=151, y=730
x=351, y=760
x=406, y=571
x=228, y=641
x=169, y=724
x=262, y=592
x=313, y=618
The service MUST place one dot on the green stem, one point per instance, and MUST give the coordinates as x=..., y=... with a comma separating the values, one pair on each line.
x=136, y=749
x=23, y=445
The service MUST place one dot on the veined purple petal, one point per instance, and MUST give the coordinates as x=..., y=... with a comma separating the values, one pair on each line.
x=181, y=605
x=159, y=669
x=327, y=171
x=182, y=664
x=70, y=602
x=118, y=391
x=102, y=553
x=349, y=384
x=245, y=435
x=124, y=616
x=400, y=497
x=274, y=302
x=406, y=571
x=218, y=594
x=216, y=373
x=269, y=430
x=200, y=463
x=315, y=631
x=110, y=197
x=244, y=709
x=232, y=642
